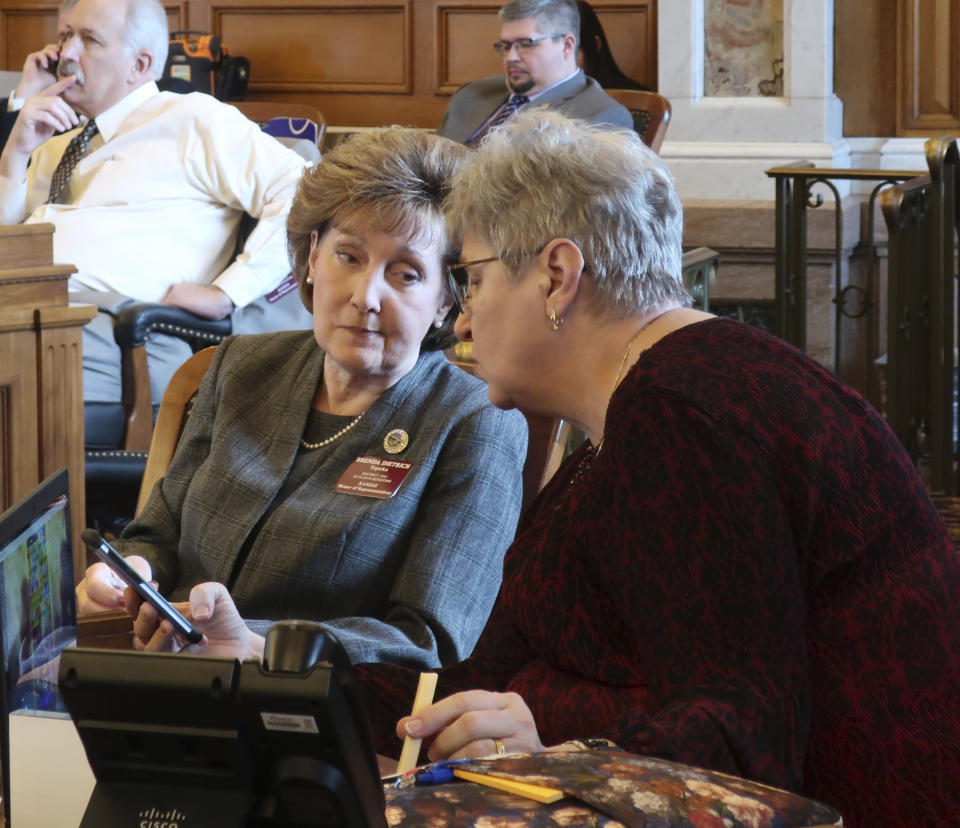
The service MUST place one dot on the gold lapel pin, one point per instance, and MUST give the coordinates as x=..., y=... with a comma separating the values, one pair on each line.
x=396, y=441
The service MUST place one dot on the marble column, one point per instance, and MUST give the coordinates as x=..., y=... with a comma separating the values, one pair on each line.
x=718, y=145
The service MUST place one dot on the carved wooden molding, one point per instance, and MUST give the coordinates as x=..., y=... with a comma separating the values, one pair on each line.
x=366, y=45
x=443, y=13
x=928, y=67
x=177, y=14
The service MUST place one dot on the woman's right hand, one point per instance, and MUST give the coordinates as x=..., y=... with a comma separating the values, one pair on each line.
x=102, y=590
x=474, y=723
x=211, y=611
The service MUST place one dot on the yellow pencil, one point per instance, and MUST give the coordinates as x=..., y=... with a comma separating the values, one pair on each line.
x=538, y=793
x=424, y=698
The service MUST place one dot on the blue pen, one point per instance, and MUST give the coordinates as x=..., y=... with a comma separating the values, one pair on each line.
x=439, y=772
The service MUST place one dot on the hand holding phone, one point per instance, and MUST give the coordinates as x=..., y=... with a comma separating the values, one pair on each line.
x=39, y=71
x=106, y=553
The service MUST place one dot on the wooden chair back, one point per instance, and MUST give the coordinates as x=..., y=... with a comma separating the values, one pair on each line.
x=170, y=419
x=650, y=111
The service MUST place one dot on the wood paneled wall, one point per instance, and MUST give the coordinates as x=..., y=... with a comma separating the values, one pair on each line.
x=928, y=67
x=897, y=66
x=368, y=62
x=360, y=62
x=865, y=67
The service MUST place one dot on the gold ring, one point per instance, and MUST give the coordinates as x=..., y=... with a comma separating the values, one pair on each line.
x=499, y=746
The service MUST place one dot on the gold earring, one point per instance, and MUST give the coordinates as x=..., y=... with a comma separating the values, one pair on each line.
x=555, y=321
x=309, y=280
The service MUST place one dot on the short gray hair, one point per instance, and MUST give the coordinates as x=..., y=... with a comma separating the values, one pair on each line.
x=393, y=177
x=148, y=30
x=553, y=16
x=543, y=176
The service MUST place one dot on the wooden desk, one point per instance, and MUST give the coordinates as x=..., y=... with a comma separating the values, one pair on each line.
x=41, y=371
x=47, y=755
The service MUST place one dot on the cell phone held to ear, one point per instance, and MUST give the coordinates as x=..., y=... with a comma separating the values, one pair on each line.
x=106, y=553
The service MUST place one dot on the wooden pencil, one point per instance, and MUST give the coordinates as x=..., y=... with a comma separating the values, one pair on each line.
x=426, y=687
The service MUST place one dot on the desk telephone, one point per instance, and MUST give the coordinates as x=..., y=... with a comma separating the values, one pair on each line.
x=178, y=740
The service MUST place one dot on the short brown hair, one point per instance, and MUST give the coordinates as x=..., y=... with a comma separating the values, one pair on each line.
x=396, y=178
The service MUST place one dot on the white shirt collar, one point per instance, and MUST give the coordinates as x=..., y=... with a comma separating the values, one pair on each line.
x=109, y=122
x=572, y=75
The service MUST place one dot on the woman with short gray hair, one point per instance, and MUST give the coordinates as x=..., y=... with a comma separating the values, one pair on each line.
x=741, y=568
x=583, y=183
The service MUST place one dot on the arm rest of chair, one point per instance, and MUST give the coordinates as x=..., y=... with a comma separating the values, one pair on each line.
x=137, y=321
x=133, y=325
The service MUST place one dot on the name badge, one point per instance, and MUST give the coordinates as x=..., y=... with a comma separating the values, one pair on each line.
x=374, y=477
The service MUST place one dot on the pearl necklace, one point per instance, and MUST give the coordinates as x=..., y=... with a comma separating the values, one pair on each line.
x=335, y=437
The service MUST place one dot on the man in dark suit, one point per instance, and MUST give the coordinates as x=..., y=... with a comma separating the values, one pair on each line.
x=538, y=44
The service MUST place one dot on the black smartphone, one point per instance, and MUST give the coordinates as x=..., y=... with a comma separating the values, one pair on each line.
x=106, y=553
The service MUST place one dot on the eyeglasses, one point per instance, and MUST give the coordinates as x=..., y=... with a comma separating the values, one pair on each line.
x=523, y=44
x=457, y=278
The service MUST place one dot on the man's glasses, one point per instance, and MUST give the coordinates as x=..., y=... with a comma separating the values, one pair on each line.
x=523, y=44
x=458, y=278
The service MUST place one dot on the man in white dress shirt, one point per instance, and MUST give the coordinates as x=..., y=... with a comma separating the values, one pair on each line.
x=152, y=207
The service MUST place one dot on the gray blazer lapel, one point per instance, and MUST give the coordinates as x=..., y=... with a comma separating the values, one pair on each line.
x=277, y=407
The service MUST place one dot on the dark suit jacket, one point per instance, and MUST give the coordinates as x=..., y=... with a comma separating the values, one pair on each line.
x=580, y=97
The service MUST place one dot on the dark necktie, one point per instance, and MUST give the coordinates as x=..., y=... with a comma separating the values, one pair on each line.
x=505, y=111
x=76, y=149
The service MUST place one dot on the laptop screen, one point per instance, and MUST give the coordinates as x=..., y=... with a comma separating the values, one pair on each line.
x=37, y=604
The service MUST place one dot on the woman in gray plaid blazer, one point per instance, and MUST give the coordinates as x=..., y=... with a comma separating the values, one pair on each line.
x=351, y=475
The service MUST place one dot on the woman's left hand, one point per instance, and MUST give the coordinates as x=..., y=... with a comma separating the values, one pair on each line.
x=472, y=723
x=212, y=611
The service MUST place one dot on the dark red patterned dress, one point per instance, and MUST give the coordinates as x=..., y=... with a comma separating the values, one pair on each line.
x=748, y=577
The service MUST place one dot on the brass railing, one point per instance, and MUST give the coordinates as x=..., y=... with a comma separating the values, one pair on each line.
x=921, y=213
x=794, y=195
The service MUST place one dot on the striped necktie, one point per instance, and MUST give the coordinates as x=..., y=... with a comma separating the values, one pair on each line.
x=76, y=149
x=507, y=108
